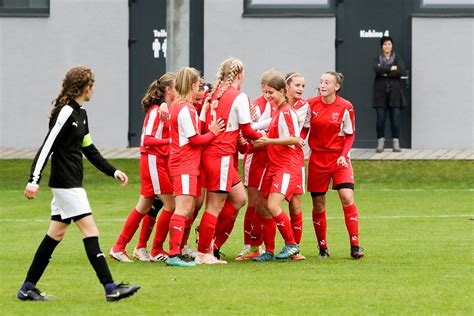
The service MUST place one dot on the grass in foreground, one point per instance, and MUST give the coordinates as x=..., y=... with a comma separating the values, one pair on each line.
x=416, y=227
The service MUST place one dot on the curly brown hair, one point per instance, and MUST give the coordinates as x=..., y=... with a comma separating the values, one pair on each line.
x=76, y=80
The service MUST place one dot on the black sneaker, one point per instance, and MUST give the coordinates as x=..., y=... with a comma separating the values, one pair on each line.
x=122, y=290
x=357, y=252
x=323, y=253
x=196, y=232
x=186, y=258
x=32, y=295
x=218, y=254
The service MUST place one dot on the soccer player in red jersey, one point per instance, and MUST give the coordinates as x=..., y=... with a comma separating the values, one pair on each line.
x=331, y=122
x=198, y=102
x=295, y=85
x=255, y=160
x=282, y=173
x=154, y=174
x=185, y=158
x=232, y=106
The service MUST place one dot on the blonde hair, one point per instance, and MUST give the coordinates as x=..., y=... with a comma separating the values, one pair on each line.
x=156, y=91
x=339, y=78
x=228, y=70
x=75, y=82
x=185, y=78
x=289, y=76
x=267, y=75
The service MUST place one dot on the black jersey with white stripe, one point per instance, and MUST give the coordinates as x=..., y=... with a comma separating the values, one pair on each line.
x=67, y=140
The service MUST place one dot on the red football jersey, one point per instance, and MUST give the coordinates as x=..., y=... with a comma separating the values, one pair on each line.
x=200, y=105
x=266, y=111
x=234, y=109
x=260, y=104
x=329, y=123
x=184, y=158
x=301, y=108
x=284, y=124
x=155, y=127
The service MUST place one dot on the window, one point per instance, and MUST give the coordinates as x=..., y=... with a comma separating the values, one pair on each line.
x=25, y=8
x=446, y=3
x=289, y=8
x=461, y=8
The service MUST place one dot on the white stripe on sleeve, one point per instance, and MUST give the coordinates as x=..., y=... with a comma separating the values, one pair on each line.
x=302, y=113
x=346, y=124
x=151, y=122
x=186, y=126
x=242, y=105
x=63, y=116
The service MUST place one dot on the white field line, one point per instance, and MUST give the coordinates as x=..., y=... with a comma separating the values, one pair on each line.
x=417, y=190
x=357, y=190
x=306, y=218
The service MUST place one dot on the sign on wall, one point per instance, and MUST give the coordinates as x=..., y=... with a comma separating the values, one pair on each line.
x=159, y=43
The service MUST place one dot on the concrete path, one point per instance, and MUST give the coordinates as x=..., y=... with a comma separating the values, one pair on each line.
x=356, y=154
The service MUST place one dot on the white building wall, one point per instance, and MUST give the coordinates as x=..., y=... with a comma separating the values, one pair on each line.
x=442, y=86
x=35, y=53
x=305, y=45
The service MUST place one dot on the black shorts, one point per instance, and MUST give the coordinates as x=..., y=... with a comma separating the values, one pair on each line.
x=344, y=185
x=67, y=221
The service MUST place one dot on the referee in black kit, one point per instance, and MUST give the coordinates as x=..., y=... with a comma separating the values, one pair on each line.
x=68, y=138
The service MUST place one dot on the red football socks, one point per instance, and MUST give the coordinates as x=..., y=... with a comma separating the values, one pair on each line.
x=352, y=223
x=320, y=228
x=297, y=226
x=162, y=228
x=207, y=229
x=128, y=230
x=257, y=230
x=284, y=226
x=225, y=223
x=176, y=228
x=249, y=214
x=269, y=232
x=187, y=231
x=148, y=223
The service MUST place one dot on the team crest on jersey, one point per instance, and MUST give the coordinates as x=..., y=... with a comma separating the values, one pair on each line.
x=335, y=117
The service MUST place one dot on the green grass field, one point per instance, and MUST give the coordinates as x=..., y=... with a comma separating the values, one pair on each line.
x=416, y=227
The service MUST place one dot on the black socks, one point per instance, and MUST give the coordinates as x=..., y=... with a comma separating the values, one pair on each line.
x=41, y=259
x=97, y=260
x=157, y=205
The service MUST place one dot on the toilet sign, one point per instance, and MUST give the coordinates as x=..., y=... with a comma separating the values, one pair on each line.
x=159, y=43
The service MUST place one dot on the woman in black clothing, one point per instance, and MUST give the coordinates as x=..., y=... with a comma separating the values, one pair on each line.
x=68, y=138
x=388, y=67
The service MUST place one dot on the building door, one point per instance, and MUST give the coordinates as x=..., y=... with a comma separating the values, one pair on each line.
x=147, y=57
x=359, y=27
